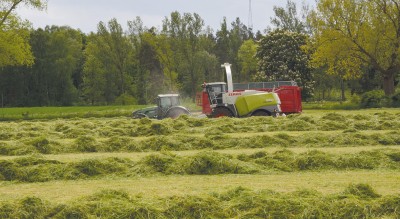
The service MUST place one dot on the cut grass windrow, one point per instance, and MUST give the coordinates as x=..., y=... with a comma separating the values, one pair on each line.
x=355, y=201
x=83, y=144
x=36, y=169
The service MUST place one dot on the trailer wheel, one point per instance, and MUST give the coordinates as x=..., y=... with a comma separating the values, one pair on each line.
x=221, y=111
x=261, y=113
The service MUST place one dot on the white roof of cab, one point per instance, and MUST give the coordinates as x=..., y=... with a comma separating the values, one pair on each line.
x=215, y=83
x=168, y=95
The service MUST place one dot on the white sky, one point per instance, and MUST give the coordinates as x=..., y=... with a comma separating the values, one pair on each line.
x=86, y=14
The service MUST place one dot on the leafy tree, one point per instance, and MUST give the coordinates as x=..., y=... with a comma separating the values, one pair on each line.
x=14, y=33
x=165, y=55
x=58, y=55
x=288, y=19
x=222, y=46
x=281, y=57
x=247, y=59
x=353, y=35
x=148, y=75
x=65, y=56
x=94, y=74
x=229, y=42
x=186, y=38
x=112, y=52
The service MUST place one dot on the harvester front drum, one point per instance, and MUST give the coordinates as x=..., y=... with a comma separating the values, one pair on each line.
x=261, y=113
x=221, y=111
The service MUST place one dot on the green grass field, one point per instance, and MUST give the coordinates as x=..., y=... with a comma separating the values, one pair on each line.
x=318, y=164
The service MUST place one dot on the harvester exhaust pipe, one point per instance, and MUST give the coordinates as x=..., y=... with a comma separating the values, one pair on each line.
x=228, y=76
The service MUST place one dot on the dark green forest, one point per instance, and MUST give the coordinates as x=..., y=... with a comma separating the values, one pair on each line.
x=129, y=63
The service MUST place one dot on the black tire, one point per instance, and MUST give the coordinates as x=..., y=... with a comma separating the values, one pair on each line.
x=261, y=113
x=221, y=111
x=174, y=113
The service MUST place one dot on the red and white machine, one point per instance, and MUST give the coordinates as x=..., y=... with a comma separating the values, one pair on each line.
x=288, y=91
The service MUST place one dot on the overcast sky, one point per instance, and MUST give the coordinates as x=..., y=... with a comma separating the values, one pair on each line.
x=86, y=14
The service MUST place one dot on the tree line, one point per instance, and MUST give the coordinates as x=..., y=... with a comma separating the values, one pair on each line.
x=329, y=47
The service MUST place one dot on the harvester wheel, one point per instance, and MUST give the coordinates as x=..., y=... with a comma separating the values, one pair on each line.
x=174, y=113
x=221, y=111
x=261, y=113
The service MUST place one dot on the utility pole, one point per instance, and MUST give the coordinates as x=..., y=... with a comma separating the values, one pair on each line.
x=250, y=18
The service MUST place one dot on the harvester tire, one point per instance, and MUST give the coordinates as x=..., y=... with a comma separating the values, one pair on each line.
x=221, y=111
x=175, y=112
x=261, y=113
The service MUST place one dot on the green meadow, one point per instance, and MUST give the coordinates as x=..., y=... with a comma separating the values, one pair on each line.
x=83, y=162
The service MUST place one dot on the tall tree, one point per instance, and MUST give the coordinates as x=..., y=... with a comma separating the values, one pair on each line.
x=281, y=57
x=112, y=52
x=352, y=35
x=58, y=55
x=184, y=34
x=247, y=58
x=238, y=34
x=288, y=18
x=229, y=42
x=14, y=33
x=222, y=46
x=94, y=74
x=148, y=74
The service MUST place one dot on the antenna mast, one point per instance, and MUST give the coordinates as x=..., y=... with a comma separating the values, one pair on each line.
x=250, y=19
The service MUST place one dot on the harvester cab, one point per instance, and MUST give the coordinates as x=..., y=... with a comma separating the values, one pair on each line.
x=215, y=91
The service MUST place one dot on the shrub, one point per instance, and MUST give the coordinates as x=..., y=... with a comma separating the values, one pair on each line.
x=125, y=99
x=374, y=99
x=396, y=99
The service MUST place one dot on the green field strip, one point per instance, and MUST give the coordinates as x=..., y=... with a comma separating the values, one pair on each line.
x=385, y=182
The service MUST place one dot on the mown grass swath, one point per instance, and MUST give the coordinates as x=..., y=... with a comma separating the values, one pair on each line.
x=356, y=201
x=31, y=151
x=36, y=169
